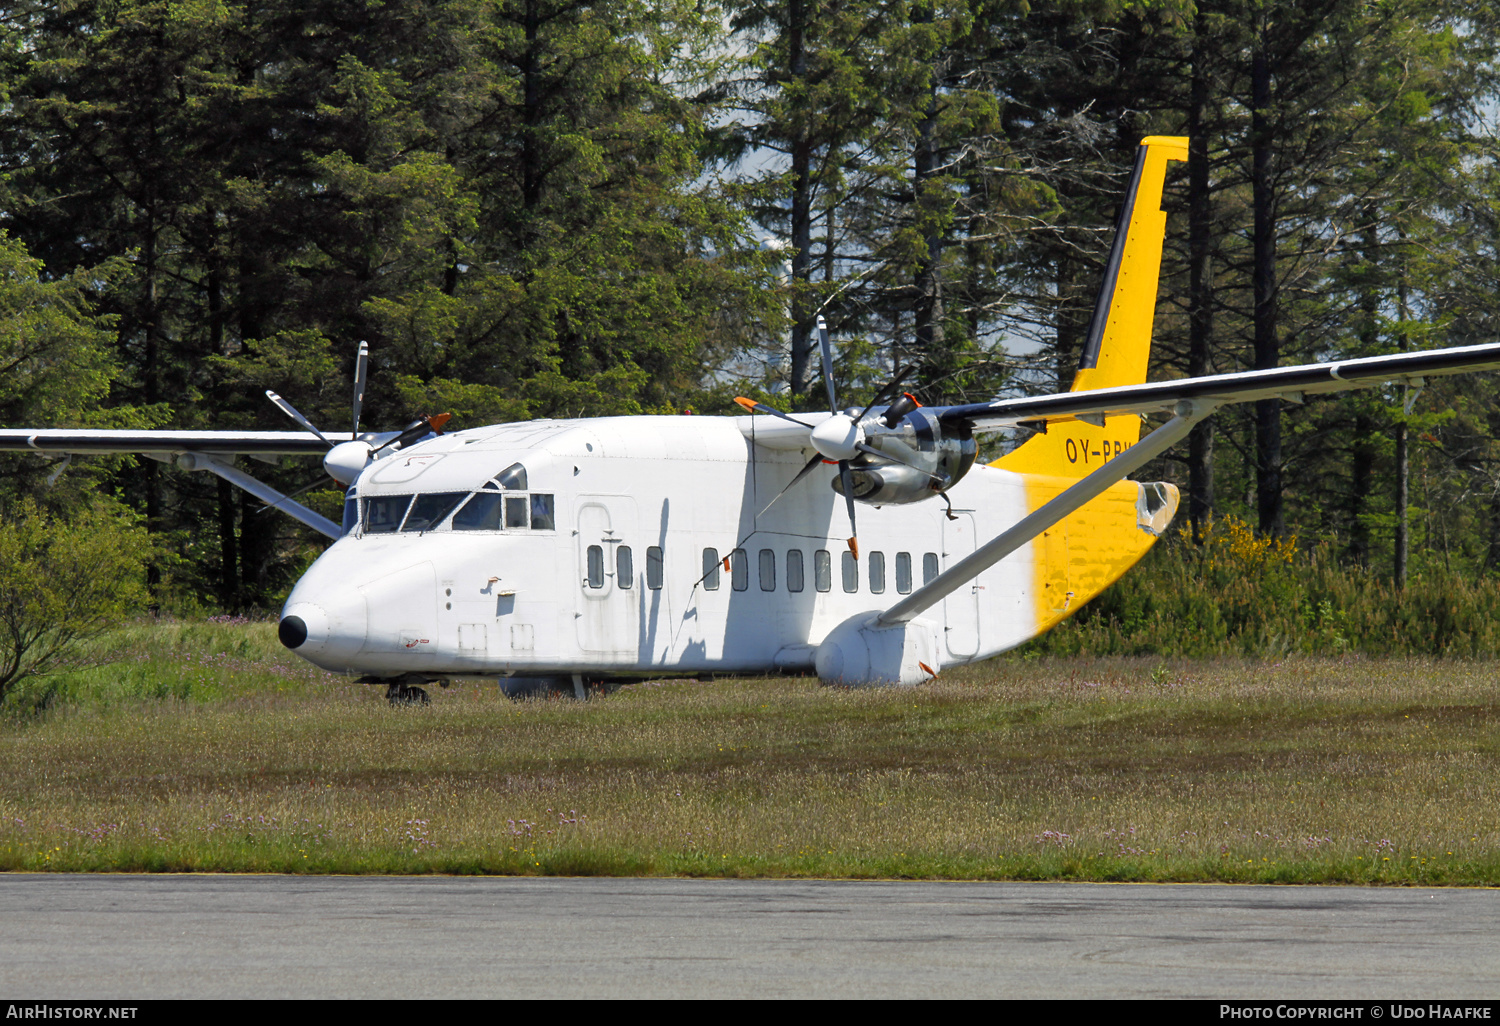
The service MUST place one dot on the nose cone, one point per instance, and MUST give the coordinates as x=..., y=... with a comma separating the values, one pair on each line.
x=838, y=437
x=292, y=631
x=326, y=633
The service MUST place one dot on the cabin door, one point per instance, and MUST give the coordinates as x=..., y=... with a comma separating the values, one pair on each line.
x=608, y=577
x=961, y=608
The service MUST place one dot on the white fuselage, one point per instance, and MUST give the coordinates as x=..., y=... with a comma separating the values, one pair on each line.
x=641, y=507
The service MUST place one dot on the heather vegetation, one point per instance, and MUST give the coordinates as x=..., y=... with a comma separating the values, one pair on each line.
x=197, y=747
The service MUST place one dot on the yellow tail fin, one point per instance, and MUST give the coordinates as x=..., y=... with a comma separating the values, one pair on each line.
x=1119, y=339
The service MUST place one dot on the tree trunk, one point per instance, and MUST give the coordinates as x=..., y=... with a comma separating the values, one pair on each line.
x=1403, y=463
x=1268, y=498
x=928, y=308
x=801, y=212
x=1200, y=288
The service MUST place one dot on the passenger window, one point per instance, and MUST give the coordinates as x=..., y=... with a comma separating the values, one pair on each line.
x=851, y=572
x=624, y=567
x=767, y=570
x=903, y=572
x=822, y=570
x=351, y=511
x=512, y=478
x=431, y=509
x=929, y=568
x=877, y=573
x=793, y=569
x=739, y=570
x=481, y=513
x=710, y=569
x=541, y=513
x=515, y=511
x=384, y=513
x=596, y=566
x=653, y=568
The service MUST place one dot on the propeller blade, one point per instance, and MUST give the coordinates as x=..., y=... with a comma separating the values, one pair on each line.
x=361, y=372
x=807, y=469
x=291, y=411
x=848, y=481
x=300, y=491
x=833, y=406
x=416, y=429
x=890, y=386
x=755, y=407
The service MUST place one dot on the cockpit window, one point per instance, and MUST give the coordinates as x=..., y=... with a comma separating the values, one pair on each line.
x=351, y=512
x=481, y=513
x=383, y=513
x=485, y=511
x=512, y=478
x=541, y=513
x=429, y=510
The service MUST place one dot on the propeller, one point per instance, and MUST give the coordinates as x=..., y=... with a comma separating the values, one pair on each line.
x=361, y=372
x=418, y=428
x=291, y=411
x=841, y=438
x=345, y=460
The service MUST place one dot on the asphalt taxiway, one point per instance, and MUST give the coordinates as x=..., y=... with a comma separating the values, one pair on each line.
x=443, y=937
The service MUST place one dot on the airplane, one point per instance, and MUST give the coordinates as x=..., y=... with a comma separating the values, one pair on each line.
x=581, y=551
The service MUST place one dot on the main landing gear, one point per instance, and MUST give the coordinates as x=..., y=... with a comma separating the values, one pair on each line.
x=404, y=690
x=398, y=693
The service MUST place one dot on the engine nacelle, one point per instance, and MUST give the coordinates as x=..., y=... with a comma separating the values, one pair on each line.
x=916, y=439
x=857, y=653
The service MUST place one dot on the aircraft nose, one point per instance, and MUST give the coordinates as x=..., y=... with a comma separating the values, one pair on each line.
x=328, y=633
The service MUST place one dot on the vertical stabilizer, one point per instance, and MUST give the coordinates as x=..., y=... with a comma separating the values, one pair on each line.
x=1118, y=346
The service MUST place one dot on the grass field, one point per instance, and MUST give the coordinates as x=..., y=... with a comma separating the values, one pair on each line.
x=206, y=747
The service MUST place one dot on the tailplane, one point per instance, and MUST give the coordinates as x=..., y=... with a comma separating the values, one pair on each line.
x=1118, y=346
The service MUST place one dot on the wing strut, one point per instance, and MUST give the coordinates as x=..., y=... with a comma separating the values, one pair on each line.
x=216, y=465
x=1186, y=413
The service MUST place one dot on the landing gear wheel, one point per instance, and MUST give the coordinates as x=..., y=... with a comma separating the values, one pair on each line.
x=397, y=693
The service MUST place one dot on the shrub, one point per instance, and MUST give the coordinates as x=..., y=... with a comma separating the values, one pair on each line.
x=63, y=582
x=1238, y=595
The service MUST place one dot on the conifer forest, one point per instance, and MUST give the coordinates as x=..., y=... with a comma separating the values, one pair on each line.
x=571, y=208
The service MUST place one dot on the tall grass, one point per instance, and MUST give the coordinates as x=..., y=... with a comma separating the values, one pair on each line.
x=200, y=747
x=1238, y=595
x=222, y=657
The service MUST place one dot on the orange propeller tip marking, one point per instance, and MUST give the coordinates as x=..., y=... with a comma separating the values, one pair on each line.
x=928, y=670
x=912, y=398
x=726, y=564
x=749, y=404
x=437, y=420
x=854, y=547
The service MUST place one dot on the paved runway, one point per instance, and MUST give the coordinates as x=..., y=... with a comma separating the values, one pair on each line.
x=426, y=937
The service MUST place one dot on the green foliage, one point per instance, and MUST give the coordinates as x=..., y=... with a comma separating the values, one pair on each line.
x=1239, y=595
x=63, y=582
x=534, y=210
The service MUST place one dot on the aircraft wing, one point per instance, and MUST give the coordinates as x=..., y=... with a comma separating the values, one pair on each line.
x=82, y=441
x=213, y=451
x=1290, y=383
x=1189, y=400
